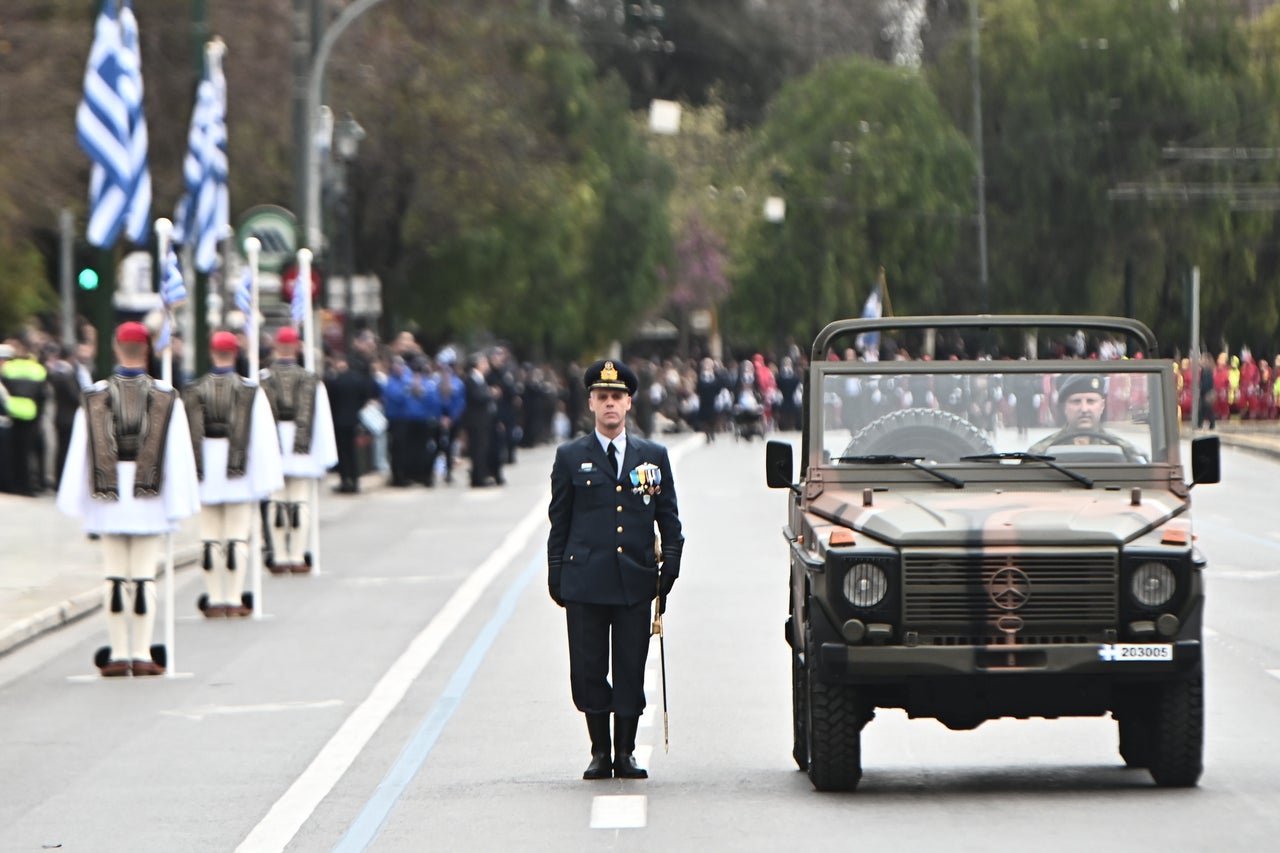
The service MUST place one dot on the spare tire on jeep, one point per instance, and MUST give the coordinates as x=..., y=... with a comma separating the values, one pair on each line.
x=925, y=433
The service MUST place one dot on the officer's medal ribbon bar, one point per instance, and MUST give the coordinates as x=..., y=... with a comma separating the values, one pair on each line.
x=646, y=480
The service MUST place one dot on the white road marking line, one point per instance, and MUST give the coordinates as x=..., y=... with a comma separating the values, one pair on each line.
x=287, y=815
x=628, y=811
x=268, y=707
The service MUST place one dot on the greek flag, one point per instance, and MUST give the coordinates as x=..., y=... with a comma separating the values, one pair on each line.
x=298, y=304
x=112, y=130
x=173, y=291
x=202, y=216
x=244, y=301
x=868, y=343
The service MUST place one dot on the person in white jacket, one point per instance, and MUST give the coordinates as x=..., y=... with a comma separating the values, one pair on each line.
x=308, y=449
x=130, y=475
x=237, y=452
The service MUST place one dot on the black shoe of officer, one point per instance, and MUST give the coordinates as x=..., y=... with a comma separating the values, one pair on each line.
x=600, y=767
x=624, y=747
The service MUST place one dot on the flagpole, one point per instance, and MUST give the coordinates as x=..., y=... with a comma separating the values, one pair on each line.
x=253, y=251
x=884, y=294
x=164, y=233
x=310, y=339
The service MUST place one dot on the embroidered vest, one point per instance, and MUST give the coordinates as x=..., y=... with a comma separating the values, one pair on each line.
x=220, y=405
x=291, y=391
x=128, y=421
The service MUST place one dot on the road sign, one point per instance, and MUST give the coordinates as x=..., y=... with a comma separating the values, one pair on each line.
x=277, y=231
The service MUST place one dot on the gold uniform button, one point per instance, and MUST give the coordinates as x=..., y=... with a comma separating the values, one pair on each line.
x=619, y=549
x=618, y=488
x=588, y=482
x=619, y=508
x=619, y=529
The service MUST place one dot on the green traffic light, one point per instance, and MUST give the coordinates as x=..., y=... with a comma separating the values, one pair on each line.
x=88, y=279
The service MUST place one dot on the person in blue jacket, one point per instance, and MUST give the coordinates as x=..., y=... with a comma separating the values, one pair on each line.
x=610, y=490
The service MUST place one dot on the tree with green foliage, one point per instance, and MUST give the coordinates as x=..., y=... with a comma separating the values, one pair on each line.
x=1081, y=98
x=507, y=192
x=874, y=175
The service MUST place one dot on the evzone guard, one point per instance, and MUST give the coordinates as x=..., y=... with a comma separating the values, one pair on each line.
x=130, y=475
x=237, y=453
x=308, y=448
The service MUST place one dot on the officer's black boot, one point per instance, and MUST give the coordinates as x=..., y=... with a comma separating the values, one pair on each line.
x=600, y=767
x=624, y=744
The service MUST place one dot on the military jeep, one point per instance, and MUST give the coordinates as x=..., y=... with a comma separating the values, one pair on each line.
x=965, y=546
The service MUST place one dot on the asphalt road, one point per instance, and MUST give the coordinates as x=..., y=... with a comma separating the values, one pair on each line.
x=415, y=697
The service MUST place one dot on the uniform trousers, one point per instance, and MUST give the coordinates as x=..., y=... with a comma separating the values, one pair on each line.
x=594, y=631
x=291, y=535
x=224, y=530
x=129, y=562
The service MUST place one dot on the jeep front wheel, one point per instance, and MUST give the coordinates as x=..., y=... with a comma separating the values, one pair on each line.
x=835, y=736
x=1177, y=734
x=799, y=712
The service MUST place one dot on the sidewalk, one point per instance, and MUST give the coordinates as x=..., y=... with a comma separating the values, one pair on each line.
x=51, y=573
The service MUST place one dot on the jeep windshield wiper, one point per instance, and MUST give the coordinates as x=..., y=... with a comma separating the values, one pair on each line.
x=892, y=459
x=1030, y=457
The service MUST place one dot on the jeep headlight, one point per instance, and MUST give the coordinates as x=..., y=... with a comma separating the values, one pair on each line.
x=865, y=585
x=1153, y=584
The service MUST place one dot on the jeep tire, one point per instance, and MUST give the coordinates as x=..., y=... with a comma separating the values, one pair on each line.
x=799, y=712
x=1135, y=741
x=835, y=736
x=928, y=433
x=1177, y=733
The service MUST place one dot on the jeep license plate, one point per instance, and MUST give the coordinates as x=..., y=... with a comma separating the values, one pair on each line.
x=1136, y=651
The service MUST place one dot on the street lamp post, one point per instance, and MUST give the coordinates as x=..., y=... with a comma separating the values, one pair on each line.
x=347, y=136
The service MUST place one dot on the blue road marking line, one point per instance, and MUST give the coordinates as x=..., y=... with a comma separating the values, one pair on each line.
x=365, y=828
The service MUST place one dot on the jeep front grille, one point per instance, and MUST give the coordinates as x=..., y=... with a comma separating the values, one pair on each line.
x=953, y=597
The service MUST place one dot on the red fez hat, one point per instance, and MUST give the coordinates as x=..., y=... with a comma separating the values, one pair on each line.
x=287, y=335
x=224, y=342
x=132, y=333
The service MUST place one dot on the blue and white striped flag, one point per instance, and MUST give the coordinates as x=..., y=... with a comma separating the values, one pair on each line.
x=244, y=301
x=868, y=343
x=112, y=130
x=202, y=217
x=298, y=303
x=173, y=292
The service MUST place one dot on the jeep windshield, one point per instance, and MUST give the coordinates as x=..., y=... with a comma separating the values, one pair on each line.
x=1019, y=413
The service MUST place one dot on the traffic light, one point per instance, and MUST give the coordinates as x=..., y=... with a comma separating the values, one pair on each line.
x=87, y=278
x=86, y=257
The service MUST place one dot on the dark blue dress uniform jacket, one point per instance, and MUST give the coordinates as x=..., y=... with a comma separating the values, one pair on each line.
x=601, y=547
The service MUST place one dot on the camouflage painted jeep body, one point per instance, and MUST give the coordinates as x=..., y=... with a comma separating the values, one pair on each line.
x=940, y=567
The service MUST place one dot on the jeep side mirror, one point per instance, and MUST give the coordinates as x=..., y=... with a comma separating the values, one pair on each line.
x=777, y=464
x=1206, y=460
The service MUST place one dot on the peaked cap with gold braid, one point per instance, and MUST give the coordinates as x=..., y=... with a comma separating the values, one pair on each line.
x=612, y=374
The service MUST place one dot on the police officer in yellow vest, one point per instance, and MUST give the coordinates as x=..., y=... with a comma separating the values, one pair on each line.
x=26, y=383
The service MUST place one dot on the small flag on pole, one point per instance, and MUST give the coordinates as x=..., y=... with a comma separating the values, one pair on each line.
x=112, y=130
x=868, y=343
x=244, y=301
x=202, y=217
x=298, y=303
x=173, y=292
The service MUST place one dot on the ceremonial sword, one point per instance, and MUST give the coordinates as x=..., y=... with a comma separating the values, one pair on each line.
x=662, y=652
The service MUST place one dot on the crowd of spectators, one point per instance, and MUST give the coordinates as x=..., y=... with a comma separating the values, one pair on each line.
x=413, y=412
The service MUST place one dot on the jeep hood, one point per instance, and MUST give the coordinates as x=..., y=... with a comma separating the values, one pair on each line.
x=967, y=517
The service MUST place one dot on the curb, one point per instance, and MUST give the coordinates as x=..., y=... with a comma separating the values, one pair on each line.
x=73, y=609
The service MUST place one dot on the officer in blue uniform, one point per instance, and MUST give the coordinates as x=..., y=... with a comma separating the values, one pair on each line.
x=610, y=490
